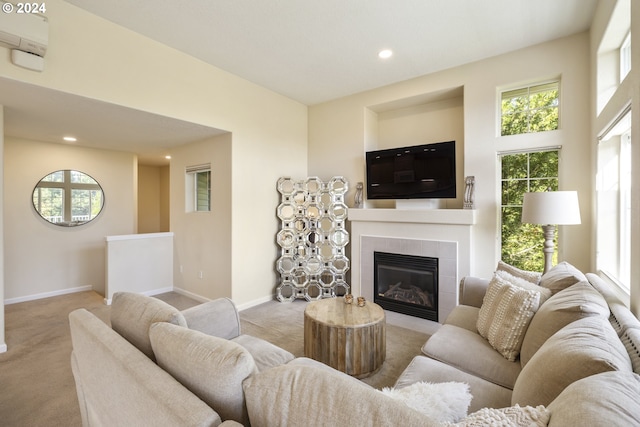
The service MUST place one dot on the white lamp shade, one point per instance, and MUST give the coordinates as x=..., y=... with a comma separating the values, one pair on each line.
x=551, y=207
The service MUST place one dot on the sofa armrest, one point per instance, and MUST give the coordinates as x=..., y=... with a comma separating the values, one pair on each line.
x=472, y=290
x=218, y=318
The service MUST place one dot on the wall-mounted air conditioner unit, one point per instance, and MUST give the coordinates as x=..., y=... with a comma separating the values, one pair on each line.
x=28, y=32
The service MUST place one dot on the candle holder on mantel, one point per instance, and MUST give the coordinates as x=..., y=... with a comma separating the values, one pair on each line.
x=313, y=239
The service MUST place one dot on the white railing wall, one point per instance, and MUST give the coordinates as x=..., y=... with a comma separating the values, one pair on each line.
x=140, y=263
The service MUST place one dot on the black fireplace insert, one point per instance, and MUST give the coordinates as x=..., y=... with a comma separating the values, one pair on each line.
x=406, y=284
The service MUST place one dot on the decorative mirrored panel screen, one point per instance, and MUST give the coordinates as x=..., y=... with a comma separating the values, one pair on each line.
x=68, y=198
x=312, y=239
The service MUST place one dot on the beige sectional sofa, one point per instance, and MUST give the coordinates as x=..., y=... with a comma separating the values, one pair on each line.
x=578, y=363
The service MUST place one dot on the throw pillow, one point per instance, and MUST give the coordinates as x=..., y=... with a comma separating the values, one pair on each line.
x=514, y=416
x=505, y=315
x=608, y=399
x=132, y=314
x=530, y=276
x=575, y=302
x=298, y=395
x=545, y=293
x=583, y=348
x=444, y=402
x=212, y=368
x=561, y=277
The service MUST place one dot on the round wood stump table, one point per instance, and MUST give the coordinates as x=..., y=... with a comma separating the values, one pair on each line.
x=345, y=336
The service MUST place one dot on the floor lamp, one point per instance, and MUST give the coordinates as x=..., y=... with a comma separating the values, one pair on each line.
x=550, y=208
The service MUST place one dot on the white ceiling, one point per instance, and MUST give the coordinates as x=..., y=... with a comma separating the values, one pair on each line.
x=309, y=50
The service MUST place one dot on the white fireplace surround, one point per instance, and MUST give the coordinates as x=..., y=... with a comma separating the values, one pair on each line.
x=440, y=233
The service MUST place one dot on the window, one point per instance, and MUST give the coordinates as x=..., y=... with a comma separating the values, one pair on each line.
x=68, y=197
x=198, y=188
x=530, y=109
x=522, y=173
x=625, y=57
x=613, y=198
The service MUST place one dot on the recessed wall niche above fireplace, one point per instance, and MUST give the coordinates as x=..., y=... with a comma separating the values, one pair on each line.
x=406, y=284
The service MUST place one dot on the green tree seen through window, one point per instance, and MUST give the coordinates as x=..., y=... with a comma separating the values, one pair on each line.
x=521, y=173
x=530, y=109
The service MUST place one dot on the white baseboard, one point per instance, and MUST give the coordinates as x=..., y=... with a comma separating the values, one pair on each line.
x=47, y=294
x=239, y=307
x=255, y=302
x=3, y=348
x=190, y=294
x=107, y=301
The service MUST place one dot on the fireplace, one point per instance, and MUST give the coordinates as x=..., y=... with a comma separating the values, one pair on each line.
x=406, y=284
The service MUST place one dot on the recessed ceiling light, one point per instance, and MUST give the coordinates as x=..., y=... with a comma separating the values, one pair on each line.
x=167, y=157
x=384, y=54
x=70, y=139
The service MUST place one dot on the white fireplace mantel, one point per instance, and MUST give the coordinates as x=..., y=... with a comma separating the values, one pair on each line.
x=443, y=233
x=427, y=216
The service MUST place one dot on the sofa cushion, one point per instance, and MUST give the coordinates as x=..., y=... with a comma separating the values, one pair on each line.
x=471, y=353
x=289, y=395
x=561, y=276
x=485, y=393
x=608, y=399
x=585, y=347
x=133, y=314
x=464, y=316
x=530, y=276
x=576, y=302
x=212, y=368
x=265, y=354
x=505, y=314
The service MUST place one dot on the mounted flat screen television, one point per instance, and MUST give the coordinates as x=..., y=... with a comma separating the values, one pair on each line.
x=425, y=171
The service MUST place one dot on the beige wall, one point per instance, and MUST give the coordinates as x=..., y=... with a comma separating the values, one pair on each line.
x=86, y=56
x=153, y=197
x=47, y=259
x=3, y=345
x=203, y=240
x=341, y=131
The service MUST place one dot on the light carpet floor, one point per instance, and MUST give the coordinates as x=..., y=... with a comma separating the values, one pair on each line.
x=37, y=386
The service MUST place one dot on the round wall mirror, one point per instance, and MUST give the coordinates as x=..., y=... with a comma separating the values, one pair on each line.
x=68, y=198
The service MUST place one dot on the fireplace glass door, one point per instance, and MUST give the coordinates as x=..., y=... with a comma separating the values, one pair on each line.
x=407, y=284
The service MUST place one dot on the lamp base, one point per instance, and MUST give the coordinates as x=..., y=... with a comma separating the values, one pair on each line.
x=549, y=232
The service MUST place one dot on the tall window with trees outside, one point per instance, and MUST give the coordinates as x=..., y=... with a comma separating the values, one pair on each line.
x=525, y=110
x=522, y=173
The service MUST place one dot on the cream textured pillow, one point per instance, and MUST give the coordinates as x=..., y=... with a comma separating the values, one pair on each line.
x=505, y=315
x=529, y=276
x=514, y=416
x=445, y=402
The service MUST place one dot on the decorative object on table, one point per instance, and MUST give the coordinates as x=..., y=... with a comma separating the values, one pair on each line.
x=357, y=200
x=469, y=192
x=361, y=301
x=348, y=299
x=313, y=239
x=550, y=208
